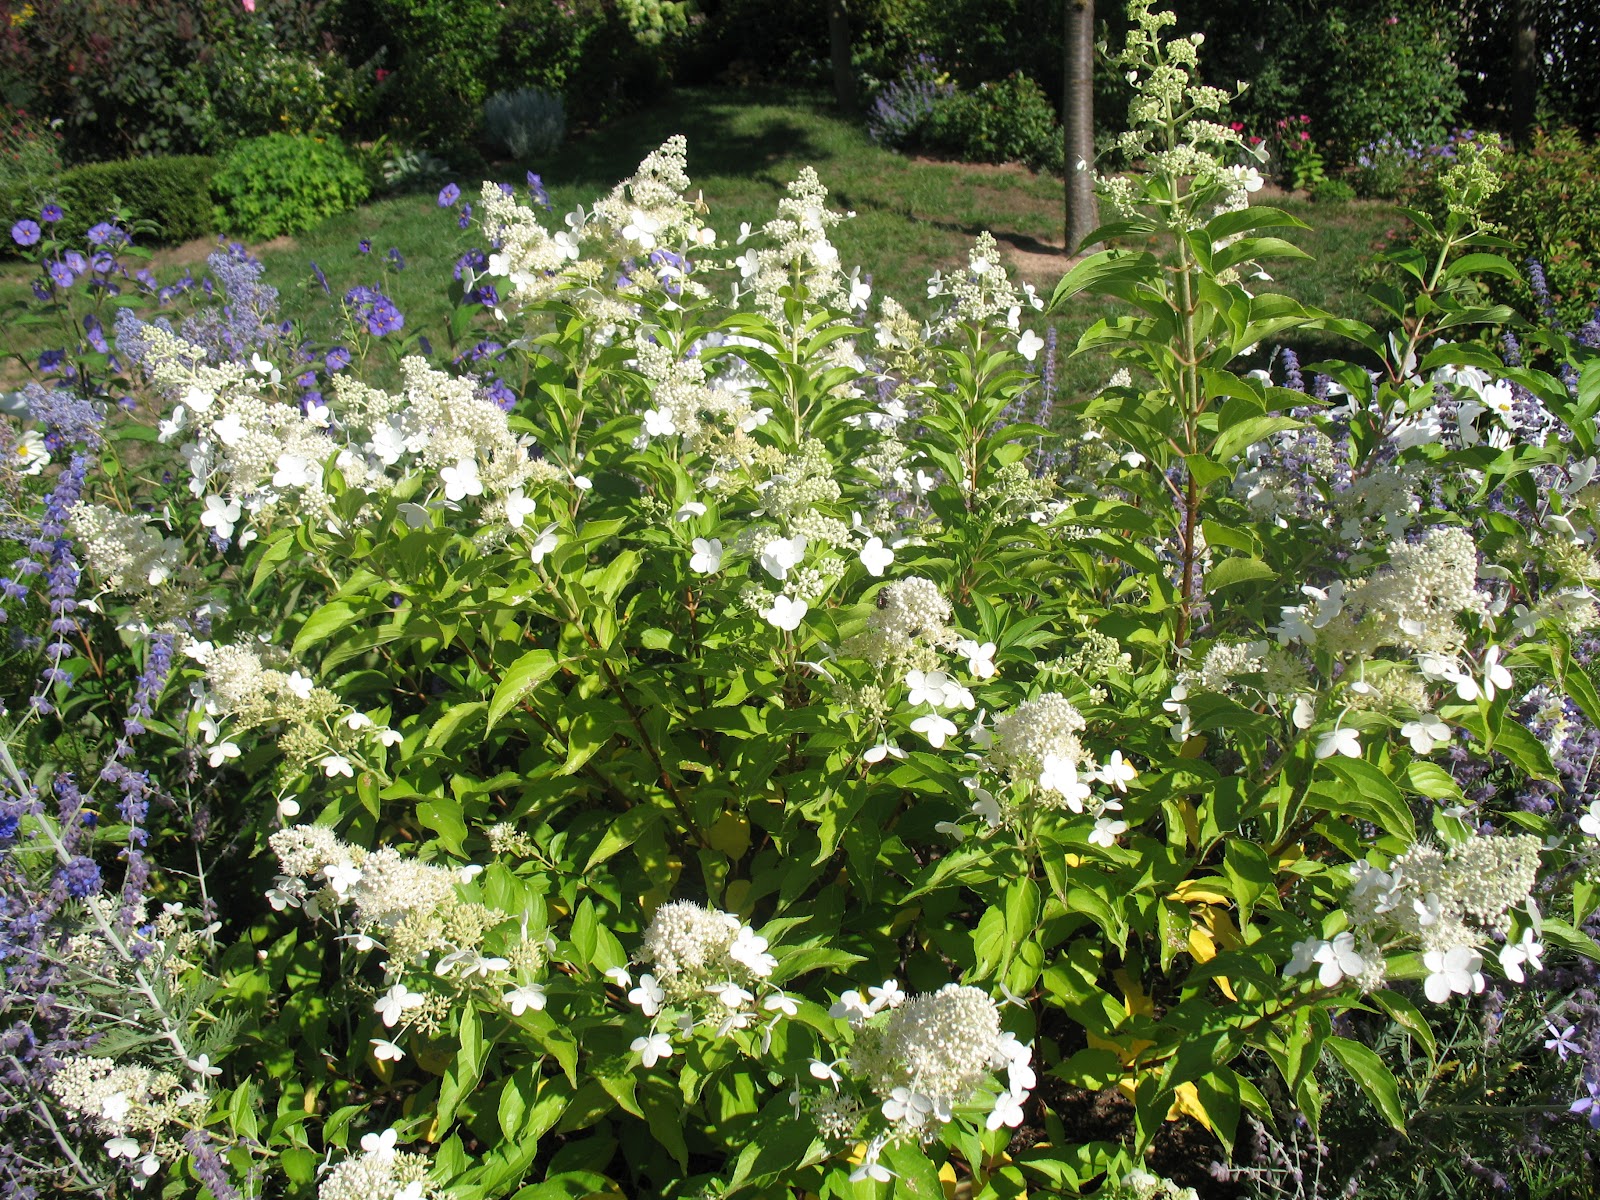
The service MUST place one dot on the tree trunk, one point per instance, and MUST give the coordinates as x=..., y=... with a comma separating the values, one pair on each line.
x=1077, y=123
x=844, y=80
x=1525, y=71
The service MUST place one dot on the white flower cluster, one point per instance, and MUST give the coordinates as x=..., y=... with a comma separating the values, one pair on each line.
x=984, y=292
x=529, y=256
x=380, y=1173
x=1415, y=602
x=921, y=1056
x=1139, y=1184
x=648, y=210
x=1036, y=746
x=413, y=912
x=241, y=692
x=1447, y=902
x=802, y=254
x=450, y=427
x=248, y=449
x=708, y=965
x=1169, y=128
x=130, y=1106
x=911, y=615
x=125, y=551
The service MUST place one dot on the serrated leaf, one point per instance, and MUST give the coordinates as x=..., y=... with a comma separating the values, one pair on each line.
x=1233, y=571
x=524, y=675
x=1375, y=1079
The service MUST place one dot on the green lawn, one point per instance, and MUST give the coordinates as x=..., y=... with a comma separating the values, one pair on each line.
x=912, y=217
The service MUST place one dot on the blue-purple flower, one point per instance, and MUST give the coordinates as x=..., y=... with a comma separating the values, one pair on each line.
x=448, y=195
x=337, y=359
x=25, y=232
x=376, y=309
x=102, y=233
x=50, y=214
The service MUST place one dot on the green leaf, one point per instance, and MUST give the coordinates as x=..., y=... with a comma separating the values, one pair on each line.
x=623, y=832
x=1376, y=1080
x=1559, y=933
x=1431, y=780
x=1372, y=796
x=1241, y=436
x=1109, y=270
x=323, y=623
x=1233, y=571
x=527, y=673
x=1406, y=1015
x=464, y=1073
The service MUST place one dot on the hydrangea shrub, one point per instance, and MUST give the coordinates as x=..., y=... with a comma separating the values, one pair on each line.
x=742, y=743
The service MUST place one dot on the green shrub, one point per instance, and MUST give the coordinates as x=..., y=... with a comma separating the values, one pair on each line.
x=1550, y=207
x=286, y=184
x=1333, y=191
x=1009, y=121
x=1388, y=73
x=30, y=150
x=172, y=193
x=443, y=54
x=589, y=52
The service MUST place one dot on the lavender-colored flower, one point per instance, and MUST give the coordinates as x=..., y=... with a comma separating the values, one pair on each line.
x=448, y=195
x=474, y=260
x=76, y=262
x=337, y=359
x=540, y=196
x=50, y=214
x=364, y=246
x=396, y=259
x=68, y=418
x=244, y=322
x=322, y=280
x=25, y=233
x=60, y=274
x=94, y=333
x=103, y=233
x=466, y=217
x=1562, y=1043
x=375, y=309
x=1589, y=1105
x=502, y=395
x=80, y=877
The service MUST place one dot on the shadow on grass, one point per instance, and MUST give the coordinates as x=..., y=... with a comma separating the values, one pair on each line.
x=729, y=134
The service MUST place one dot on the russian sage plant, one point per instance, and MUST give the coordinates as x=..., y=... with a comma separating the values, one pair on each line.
x=530, y=122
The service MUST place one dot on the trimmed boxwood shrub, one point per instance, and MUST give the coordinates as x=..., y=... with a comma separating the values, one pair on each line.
x=284, y=183
x=172, y=192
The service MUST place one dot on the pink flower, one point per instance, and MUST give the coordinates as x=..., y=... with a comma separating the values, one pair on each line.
x=249, y=5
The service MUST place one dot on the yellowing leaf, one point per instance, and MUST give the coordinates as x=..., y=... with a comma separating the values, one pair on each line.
x=1187, y=1103
x=730, y=834
x=1191, y=892
x=1133, y=996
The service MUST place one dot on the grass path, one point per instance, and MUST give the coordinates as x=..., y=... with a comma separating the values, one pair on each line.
x=912, y=216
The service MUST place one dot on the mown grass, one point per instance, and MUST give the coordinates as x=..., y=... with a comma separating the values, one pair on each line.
x=911, y=217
